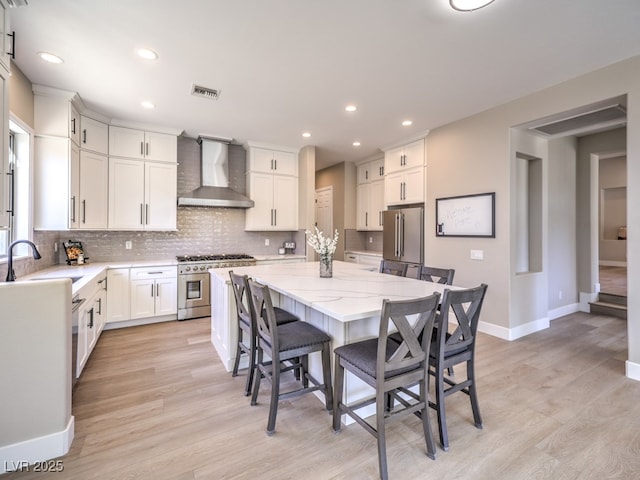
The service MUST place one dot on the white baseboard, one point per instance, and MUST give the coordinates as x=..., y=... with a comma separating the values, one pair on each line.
x=585, y=298
x=632, y=370
x=516, y=332
x=140, y=321
x=39, y=449
x=564, y=310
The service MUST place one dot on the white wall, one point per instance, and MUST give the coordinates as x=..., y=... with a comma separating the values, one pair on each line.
x=473, y=156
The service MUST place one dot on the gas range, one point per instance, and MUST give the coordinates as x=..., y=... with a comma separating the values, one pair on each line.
x=201, y=263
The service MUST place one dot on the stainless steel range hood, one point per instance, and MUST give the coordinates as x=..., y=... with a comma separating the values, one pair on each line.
x=215, y=191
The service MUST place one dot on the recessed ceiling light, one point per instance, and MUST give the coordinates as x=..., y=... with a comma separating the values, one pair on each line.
x=147, y=104
x=356, y=144
x=306, y=134
x=50, y=57
x=468, y=5
x=350, y=108
x=147, y=54
x=406, y=123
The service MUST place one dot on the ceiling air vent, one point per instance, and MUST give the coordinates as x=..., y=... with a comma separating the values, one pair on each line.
x=17, y=3
x=205, y=92
x=609, y=115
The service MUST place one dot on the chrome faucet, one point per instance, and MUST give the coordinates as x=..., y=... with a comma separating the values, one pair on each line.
x=11, y=275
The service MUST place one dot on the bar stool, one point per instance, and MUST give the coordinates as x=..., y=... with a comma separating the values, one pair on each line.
x=246, y=325
x=291, y=343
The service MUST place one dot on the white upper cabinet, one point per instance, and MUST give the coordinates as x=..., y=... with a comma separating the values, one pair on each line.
x=93, y=191
x=371, y=171
x=404, y=157
x=132, y=143
x=405, y=187
x=94, y=135
x=55, y=113
x=142, y=195
x=5, y=183
x=5, y=40
x=273, y=161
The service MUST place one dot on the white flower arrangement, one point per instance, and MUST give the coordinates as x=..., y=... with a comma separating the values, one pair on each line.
x=321, y=244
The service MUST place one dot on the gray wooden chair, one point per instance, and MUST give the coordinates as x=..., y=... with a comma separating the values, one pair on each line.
x=389, y=368
x=246, y=326
x=394, y=268
x=449, y=349
x=288, y=346
x=437, y=275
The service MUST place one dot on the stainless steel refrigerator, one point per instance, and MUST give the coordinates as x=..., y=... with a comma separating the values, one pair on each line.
x=403, y=237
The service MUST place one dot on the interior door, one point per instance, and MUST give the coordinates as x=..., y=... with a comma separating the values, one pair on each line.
x=324, y=210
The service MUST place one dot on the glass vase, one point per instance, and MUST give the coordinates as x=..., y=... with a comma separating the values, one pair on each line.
x=326, y=266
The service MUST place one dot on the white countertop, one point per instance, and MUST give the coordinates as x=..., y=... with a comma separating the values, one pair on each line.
x=276, y=256
x=353, y=292
x=373, y=253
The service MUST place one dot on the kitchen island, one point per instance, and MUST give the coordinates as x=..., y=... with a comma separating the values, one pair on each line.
x=347, y=306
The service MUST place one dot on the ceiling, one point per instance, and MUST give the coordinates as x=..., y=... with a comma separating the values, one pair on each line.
x=284, y=67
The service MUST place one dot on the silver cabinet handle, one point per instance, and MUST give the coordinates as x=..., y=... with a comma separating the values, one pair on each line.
x=275, y=162
x=84, y=211
x=147, y=149
x=141, y=148
x=157, y=290
x=366, y=219
x=141, y=214
x=90, y=324
x=84, y=136
x=73, y=126
x=146, y=213
x=275, y=217
x=152, y=289
x=99, y=306
x=73, y=209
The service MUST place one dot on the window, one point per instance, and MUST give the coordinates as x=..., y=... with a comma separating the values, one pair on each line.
x=19, y=203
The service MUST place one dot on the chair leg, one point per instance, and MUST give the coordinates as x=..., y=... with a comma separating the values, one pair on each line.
x=257, y=377
x=236, y=363
x=304, y=361
x=442, y=421
x=275, y=395
x=381, y=436
x=338, y=387
x=473, y=394
x=426, y=421
x=252, y=365
x=326, y=373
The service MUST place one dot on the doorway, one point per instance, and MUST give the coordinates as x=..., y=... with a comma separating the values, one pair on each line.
x=324, y=210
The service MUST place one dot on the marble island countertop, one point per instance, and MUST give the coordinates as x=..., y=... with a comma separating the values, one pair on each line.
x=352, y=294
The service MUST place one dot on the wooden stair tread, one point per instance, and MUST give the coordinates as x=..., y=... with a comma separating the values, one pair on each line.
x=617, y=306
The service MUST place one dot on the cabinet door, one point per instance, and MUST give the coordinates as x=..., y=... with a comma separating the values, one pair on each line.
x=260, y=160
x=414, y=154
x=166, y=301
x=126, y=193
x=82, y=339
x=393, y=188
x=117, y=295
x=74, y=124
x=285, y=163
x=285, y=203
x=376, y=170
x=160, y=147
x=393, y=160
x=74, y=186
x=362, y=205
x=4, y=147
x=126, y=142
x=51, y=176
x=414, y=186
x=94, y=135
x=362, y=173
x=143, y=297
x=94, y=170
x=260, y=190
x=5, y=28
x=160, y=186
x=376, y=205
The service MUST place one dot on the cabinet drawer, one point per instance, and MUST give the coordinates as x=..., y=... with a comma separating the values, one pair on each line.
x=142, y=273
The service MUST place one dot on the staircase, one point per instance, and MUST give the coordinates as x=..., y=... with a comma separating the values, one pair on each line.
x=610, y=304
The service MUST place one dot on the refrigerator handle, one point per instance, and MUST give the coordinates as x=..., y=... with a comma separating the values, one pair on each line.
x=401, y=235
x=397, y=236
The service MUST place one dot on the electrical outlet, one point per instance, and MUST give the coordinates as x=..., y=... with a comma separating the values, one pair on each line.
x=266, y=242
x=560, y=295
x=128, y=245
x=477, y=254
x=370, y=239
x=55, y=247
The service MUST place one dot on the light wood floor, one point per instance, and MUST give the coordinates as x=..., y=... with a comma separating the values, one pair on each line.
x=613, y=280
x=155, y=403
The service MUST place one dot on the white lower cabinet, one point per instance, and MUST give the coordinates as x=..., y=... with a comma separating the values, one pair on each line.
x=153, y=292
x=118, y=295
x=91, y=320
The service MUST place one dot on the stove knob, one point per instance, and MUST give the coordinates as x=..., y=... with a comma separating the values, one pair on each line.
x=203, y=268
x=187, y=269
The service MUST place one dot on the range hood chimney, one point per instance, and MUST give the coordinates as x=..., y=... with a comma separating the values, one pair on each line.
x=215, y=191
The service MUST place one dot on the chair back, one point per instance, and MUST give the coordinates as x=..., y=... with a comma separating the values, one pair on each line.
x=413, y=350
x=393, y=268
x=244, y=308
x=437, y=275
x=266, y=325
x=464, y=306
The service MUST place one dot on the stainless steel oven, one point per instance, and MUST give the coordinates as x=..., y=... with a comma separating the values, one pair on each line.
x=194, y=292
